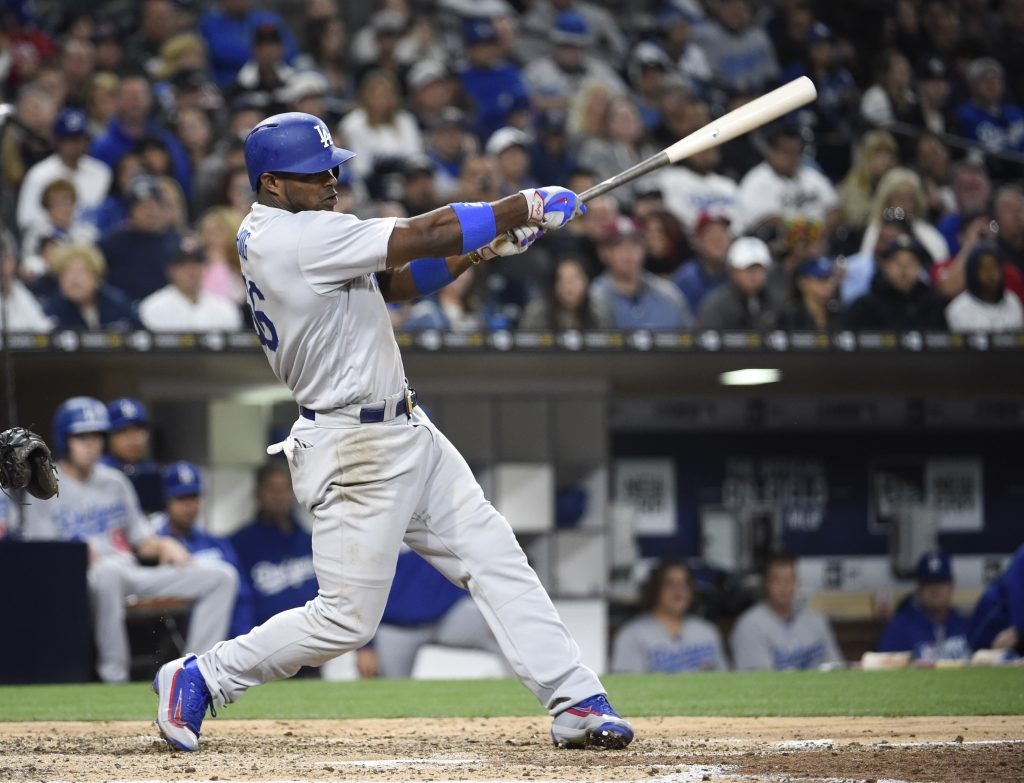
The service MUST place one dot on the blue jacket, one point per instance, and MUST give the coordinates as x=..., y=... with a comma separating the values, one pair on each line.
x=1000, y=606
x=278, y=567
x=419, y=593
x=145, y=477
x=136, y=260
x=999, y=132
x=116, y=311
x=695, y=283
x=911, y=630
x=115, y=142
x=229, y=40
x=496, y=93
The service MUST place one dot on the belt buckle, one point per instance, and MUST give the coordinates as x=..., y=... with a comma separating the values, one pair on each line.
x=408, y=402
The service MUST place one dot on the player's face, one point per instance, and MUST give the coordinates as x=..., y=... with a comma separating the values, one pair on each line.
x=676, y=593
x=130, y=444
x=780, y=586
x=303, y=192
x=182, y=512
x=85, y=450
x=936, y=598
x=274, y=495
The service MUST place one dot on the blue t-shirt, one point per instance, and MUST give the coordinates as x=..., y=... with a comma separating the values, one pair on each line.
x=910, y=629
x=496, y=93
x=199, y=543
x=115, y=142
x=277, y=566
x=695, y=283
x=949, y=226
x=1000, y=132
x=145, y=477
x=229, y=40
x=136, y=260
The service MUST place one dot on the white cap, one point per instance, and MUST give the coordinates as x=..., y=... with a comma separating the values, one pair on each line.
x=503, y=138
x=305, y=84
x=744, y=252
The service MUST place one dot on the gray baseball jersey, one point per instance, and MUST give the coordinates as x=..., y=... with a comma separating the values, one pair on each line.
x=763, y=640
x=645, y=645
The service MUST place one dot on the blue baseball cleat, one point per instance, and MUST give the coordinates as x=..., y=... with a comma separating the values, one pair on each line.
x=184, y=698
x=591, y=723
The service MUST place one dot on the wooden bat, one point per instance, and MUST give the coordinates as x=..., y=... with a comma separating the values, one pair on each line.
x=746, y=118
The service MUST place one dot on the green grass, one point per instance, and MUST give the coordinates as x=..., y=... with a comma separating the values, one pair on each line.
x=909, y=692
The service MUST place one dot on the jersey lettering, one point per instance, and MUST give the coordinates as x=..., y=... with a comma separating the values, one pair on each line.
x=264, y=326
x=241, y=240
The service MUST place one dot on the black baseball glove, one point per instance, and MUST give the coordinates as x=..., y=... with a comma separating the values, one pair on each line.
x=26, y=463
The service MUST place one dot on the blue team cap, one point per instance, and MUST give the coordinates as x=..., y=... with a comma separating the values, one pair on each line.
x=70, y=123
x=477, y=31
x=570, y=28
x=182, y=479
x=819, y=32
x=126, y=412
x=820, y=268
x=934, y=567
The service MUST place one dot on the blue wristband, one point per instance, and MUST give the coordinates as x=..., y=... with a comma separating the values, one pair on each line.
x=430, y=274
x=477, y=221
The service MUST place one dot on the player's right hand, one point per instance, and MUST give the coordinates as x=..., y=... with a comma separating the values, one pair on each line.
x=511, y=243
x=552, y=207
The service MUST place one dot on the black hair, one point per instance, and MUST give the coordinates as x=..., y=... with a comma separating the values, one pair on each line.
x=651, y=589
x=271, y=468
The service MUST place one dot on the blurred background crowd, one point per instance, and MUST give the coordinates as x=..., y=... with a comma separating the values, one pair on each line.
x=891, y=203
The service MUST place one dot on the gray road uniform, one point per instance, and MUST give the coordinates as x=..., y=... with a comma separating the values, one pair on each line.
x=644, y=645
x=763, y=640
x=371, y=472
x=103, y=511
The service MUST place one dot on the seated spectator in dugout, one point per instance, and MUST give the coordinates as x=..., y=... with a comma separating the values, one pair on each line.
x=899, y=298
x=98, y=507
x=998, y=619
x=665, y=638
x=780, y=632
x=183, y=305
x=23, y=311
x=636, y=298
x=743, y=302
x=926, y=623
x=128, y=451
x=183, y=488
x=275, y=554
x=987, y=305
x=83, y=300
x=423, y=608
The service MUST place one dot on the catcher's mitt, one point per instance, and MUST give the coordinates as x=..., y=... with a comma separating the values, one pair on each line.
x=25, y=463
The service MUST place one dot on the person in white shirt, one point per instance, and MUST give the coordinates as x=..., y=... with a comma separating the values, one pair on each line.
x=783, y=186
x=91, y=177
x=183, y=305
x=693, y=186
x=380, y=129
x=987, y=305
x=23, y=311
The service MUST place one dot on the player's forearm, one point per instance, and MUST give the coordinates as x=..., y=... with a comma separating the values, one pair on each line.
x=441, y=234
x=400, y=285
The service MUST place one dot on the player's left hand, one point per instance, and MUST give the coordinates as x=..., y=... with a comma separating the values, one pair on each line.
x=552, y=206
x=511, y=243
x=172, y=553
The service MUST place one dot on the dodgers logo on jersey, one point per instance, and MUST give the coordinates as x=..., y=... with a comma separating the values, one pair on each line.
x=325, y=135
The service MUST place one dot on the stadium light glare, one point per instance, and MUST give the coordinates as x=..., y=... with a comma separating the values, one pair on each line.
x=752, y=376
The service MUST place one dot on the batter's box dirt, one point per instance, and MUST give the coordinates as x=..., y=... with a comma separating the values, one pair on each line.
x=667, y=750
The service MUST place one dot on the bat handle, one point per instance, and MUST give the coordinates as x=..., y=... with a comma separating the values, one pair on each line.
x=652, y=163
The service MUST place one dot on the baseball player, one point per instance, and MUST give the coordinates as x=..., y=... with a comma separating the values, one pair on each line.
x=183, y=488
x=423, y=608
x=372, y=468
x=665, y=638
x=779, y=632
x=128, y=451
x=97, y=505
x=998, y=618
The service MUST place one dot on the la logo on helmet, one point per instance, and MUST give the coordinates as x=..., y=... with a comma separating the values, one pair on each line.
x=325, y=135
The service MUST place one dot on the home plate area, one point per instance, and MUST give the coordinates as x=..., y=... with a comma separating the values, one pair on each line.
x=667, y=750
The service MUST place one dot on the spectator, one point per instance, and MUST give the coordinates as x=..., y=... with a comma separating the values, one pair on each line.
x=18, y=305
x=463, y=305
x=649, y=68
x=703, y=273
x=986, y=305
x=510, y=150
x=949, y=277
x=495, y=87
x=606, y=31
x=900, y=189
x=183, y=488
x=97, y=506
x=128, y=452
x=813, y=306
x=101, y=101
x=891, y=98
x=876, y=155
x=83, y=300
x=998, y=619
x=132, y=122
x=861, y=267
x=785, y=186
x=779, y=632
x=448, y=146
x=789, y=29
x=1008, y=211
x=419, y=193
x=423, y=608
x=742, y=302
x=899, y=299
x=553, y=157
x=193, y=128
x=664, y=240
x=620, y=146
x=228, y=32
x=554, y=78
x=931, y=162
x=327, y=54
x=694, y=185
x=114, y=209
x=796, y=241
x=275, y=554
x=37, y=109
x=987, y=118
x=926, y=623
x=180, y=54
x=263, y=78
x=675, y=30
x=91, y=178
x=184, y=305
x=665, y=639
x=59, y=209
x=138, y=252
x=566, y=302
x=932, y=95
x=739, y=51
x=431, y=89
x=636, y=298
x=158, y=21
x=382, y=131
x=971, y=191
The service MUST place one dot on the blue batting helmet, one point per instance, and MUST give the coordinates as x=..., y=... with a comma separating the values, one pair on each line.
x=181, y=479
x=294, y=142
x=126, y=412
x=78, y=416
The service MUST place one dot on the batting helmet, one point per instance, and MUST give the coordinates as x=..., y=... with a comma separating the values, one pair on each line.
x=126, y=412
x=294, y=142
x=78, y=416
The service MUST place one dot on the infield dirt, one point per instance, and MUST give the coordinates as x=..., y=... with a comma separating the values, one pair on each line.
x=671, y=749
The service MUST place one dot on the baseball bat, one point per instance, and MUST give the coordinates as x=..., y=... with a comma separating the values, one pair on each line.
x=746, y=118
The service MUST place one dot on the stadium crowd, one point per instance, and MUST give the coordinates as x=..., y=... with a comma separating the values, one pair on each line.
x=890, y=203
